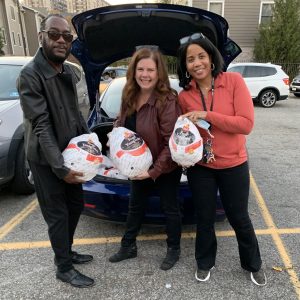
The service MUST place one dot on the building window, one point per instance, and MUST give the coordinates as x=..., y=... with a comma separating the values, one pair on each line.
x=12, y=13
x=19, y=39
x=14, y=38
x=266, y=12
x=2, y=35
x=216, y=7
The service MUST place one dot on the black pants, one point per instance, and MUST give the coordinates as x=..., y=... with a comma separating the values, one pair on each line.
x=233, y=184
x=167, y=185
x=61, y=205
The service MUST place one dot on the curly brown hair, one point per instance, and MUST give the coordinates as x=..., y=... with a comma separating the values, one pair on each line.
x=131, y=88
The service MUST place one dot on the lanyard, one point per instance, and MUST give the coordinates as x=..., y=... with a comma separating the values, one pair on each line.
x=212, y=95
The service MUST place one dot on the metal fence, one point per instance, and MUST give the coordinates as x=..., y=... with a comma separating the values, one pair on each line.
x=292, y=69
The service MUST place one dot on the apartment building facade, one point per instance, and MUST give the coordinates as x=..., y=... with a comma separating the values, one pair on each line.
x=43, y=5
x=20, y=21
x=59, y=6
x=11, y=31
x=77, y=6
x=32, y=22
x=243, y=17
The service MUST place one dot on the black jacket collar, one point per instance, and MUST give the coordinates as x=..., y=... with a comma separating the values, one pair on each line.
x=46, y=69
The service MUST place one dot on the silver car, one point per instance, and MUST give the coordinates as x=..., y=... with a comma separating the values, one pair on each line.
x=14, y=168
x=295, y=86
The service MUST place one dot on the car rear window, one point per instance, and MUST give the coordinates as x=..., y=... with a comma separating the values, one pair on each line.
x=111, y=100
x=258, y=71
x=121, y=73
x=238, y=69
x=8, y=90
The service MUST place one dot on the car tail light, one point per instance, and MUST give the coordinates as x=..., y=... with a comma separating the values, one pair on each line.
x=286, y=81
x=89, y=205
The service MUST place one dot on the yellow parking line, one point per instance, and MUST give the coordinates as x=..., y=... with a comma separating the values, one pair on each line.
x=271, y=230
x=17, y=219
x=117, y=239
x=276, y=237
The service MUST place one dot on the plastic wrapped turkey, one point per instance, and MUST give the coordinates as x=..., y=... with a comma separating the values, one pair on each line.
x=186, y=145
x=83, y=154
x=129, y=152
x=108, y=169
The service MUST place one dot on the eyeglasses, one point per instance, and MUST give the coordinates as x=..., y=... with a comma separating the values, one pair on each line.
x=150, y=47
x=193, y=37
x=54, y=35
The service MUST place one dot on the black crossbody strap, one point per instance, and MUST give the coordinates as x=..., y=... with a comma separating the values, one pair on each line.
x=212, y=94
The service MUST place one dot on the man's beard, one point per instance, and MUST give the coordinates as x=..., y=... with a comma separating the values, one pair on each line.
x=52, y=57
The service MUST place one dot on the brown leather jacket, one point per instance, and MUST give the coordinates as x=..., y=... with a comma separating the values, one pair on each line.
x=155, y=123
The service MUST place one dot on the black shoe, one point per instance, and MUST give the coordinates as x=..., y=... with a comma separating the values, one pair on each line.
x=203, y=275
x=259, y=278
x=80, y=258
x=75, y=278
x=124, y=253
x=171, y=258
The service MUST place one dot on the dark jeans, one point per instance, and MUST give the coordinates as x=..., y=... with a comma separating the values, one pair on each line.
x=167, y=185
x=233, y=184
x=61, y=205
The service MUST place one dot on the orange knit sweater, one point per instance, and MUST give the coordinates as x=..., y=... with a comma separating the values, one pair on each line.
x=232, y=118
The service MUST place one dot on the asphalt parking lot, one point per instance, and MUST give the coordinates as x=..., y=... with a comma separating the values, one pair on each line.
x=27, y=270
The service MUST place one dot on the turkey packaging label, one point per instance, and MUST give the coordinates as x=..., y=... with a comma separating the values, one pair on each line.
x=186, y=145
x=83, y=154
x=129, y=152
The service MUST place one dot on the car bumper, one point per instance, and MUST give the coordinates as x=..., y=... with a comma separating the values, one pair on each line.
x=295, y=88
x=6, y=173
x=283, y=97
x=109, y=199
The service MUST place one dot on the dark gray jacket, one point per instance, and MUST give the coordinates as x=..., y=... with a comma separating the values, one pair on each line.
x=51, y=113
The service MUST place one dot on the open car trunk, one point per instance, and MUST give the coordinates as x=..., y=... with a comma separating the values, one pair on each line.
x=102, y=130
x=111, y=33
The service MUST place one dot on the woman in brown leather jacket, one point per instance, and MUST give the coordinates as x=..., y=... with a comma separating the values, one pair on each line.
x=150, y=108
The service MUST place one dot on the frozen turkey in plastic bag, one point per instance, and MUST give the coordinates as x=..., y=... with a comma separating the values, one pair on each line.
x=109, y=170
x=129, y=152
x=83, y=154
x=186, y=145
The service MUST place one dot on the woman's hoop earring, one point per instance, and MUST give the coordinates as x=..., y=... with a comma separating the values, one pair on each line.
x=212, y=66
x=187, y=75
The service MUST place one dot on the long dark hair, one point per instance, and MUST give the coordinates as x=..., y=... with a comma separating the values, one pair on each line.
x=209, y=47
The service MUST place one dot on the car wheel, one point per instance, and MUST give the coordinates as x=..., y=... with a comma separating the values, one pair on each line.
x=23, y=179
x=297, y=94
x=268, y=98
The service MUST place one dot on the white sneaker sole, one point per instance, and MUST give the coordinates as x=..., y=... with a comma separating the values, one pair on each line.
x=255, y=282
x=206, y=278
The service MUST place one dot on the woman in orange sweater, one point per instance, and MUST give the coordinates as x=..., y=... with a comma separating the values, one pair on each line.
x=223, y=102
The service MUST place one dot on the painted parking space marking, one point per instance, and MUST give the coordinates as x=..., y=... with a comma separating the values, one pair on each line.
x=270, y=230
x=17, y=219
x=153, y=237
x=276, y=236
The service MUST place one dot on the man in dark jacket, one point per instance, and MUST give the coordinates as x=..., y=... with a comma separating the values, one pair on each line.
x=51, y=118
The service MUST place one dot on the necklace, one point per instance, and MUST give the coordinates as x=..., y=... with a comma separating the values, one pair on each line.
x=205, y=87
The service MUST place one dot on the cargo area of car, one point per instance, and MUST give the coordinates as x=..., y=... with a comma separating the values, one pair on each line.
x=102, y=131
